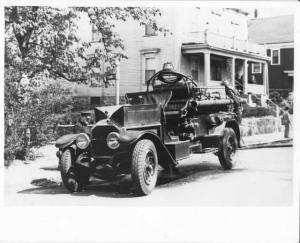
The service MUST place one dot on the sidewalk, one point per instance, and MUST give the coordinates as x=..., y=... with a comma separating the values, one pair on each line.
x=265, y=140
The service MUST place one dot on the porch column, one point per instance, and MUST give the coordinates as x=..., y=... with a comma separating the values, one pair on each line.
x=266, y=81
x=206, y=68
x=245, y=80
x=233, y=72
x=117, y=84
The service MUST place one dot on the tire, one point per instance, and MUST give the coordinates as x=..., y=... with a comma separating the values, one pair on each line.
x=74, y=178
x=227, y=149
x=144, y=167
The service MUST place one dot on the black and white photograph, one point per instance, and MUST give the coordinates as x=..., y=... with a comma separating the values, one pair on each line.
x=162, y=105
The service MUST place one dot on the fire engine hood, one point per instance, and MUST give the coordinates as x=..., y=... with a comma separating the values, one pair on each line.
x=130, y=115
x=105, y=112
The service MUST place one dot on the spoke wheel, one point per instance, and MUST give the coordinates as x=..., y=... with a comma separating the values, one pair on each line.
x=144, y=167
x=228, y=149
x=231, y=148
x=149, y=170
x=74, y=179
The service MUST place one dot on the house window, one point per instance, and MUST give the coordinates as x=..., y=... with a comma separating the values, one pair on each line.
x=150, y=67
x=268, y=52
x=149, y=31
x=256, y=67
x=216, y=70
x=275, y=57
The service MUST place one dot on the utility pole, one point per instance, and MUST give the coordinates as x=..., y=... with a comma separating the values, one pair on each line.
x=117, y=84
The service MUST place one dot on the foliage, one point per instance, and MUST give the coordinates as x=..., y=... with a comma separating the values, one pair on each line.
x=276, y=97
x=42, y=43
x=31, y=106
x=257, y=111
x=44, y=39
x=282, y=102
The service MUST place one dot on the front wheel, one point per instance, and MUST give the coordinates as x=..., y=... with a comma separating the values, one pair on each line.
x=144, y=166
x=74, y=179
x=228, y=149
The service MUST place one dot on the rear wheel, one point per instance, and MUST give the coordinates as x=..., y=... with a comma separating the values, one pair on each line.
x=144, y=166
x=74, y=178
x=228, y=149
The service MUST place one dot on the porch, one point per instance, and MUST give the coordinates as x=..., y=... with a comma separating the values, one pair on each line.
x=209, y=66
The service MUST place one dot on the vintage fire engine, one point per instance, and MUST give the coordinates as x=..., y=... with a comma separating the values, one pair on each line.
x=159, y=127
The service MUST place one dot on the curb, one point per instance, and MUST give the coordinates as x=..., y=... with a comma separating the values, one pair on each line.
x=275, y=144
x=266, y=146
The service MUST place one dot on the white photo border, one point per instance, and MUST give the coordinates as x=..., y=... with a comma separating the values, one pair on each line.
x=154, y=224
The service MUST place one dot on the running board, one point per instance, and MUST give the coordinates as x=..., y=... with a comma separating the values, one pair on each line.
x=207, y=150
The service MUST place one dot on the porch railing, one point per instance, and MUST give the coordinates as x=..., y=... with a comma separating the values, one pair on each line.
x=222, y=41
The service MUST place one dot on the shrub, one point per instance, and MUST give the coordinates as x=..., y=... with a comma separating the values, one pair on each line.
x=55, y=120
x=275, y=97
x=257, y=111
x=32, y=106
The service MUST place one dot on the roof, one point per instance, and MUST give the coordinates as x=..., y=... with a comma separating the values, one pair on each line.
x=279, y=29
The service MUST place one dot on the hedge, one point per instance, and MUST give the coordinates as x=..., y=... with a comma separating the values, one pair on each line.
x=257, y=111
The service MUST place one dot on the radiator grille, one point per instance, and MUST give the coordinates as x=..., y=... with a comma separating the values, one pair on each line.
x=99, y=146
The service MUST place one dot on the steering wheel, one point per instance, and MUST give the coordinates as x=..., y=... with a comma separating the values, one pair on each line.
x=173, y=79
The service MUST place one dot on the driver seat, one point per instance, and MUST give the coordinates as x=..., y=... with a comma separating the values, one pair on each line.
x=150, y=98
x=180, y=96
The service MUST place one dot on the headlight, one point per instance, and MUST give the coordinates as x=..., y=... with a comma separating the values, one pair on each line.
x=113, y=140
x=82, y=141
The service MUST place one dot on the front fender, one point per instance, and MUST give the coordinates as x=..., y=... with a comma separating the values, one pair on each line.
x=165, y=159
x=235, y=126
x=66, y=140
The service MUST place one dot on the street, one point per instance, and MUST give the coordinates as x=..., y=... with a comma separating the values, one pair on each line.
x=262, y=177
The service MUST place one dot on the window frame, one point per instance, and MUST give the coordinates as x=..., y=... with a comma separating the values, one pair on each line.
x=148, y=53
x=272, y=50
x=260, y=68
x=144, y=63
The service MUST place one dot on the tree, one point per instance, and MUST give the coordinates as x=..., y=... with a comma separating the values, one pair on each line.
x=42, y=43
x=44, y=39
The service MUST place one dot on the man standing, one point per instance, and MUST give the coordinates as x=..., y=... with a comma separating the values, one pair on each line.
x=286, y=121
x=83, y=122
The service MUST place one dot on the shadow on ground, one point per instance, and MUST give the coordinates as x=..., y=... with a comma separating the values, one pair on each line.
x=122, y=187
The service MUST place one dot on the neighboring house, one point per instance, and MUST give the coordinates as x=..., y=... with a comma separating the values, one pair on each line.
x=277, y=34
x=210, y=45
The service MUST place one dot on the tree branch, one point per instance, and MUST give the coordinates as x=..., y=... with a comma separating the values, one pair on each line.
x=69, y=79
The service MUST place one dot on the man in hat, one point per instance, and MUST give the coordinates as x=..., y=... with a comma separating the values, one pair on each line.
x=82, y=125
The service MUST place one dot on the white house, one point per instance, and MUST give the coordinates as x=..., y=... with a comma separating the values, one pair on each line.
x=211, y=45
